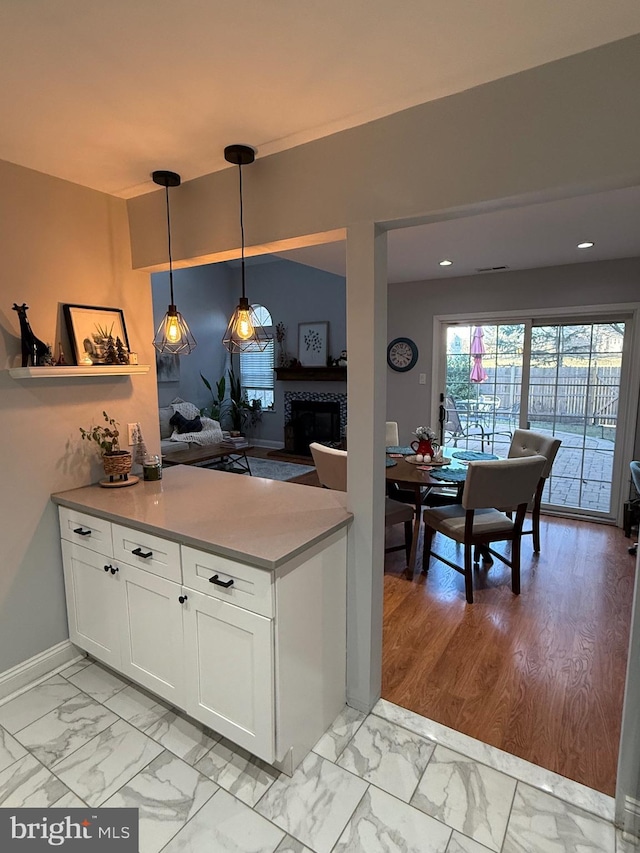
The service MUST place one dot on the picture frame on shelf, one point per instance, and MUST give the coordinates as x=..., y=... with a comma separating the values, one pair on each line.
x=90, y=327
x=313, y=344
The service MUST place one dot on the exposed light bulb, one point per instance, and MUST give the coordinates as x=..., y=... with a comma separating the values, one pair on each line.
x=173, y=330
x=244, y=325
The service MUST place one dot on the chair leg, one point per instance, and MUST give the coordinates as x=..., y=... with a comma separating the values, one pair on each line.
x=426, y=551
x=515, y=565
x=468, y=574
x=536, y=528
x=408, y=538
x=476, y=555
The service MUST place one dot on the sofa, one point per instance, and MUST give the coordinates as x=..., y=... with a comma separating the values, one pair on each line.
x=171, y=439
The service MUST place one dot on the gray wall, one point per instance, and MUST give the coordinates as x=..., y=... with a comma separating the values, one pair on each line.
x=412, y=306
x=206, y=295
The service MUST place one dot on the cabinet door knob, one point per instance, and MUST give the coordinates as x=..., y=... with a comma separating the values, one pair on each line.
x=106, y=568
x=140, y=553
x=82, y=532
x=182, y=598
x=216, y=580
x=113, y=571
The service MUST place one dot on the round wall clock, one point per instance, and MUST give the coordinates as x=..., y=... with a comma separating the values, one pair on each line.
x=402, y=354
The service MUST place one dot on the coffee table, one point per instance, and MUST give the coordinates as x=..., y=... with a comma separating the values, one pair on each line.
x=209, y=453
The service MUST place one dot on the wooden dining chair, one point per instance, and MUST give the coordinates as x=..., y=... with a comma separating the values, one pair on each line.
x=476, y=524
x=331, y=467
x=526, y=443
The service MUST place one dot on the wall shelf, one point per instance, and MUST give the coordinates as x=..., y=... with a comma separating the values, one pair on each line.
x=317, y=374
x=69, y=371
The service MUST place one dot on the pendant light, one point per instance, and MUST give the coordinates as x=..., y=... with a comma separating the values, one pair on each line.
x=173, y=335
x=244, y=332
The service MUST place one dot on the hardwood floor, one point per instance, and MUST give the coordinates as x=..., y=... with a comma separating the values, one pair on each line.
x=540, y=675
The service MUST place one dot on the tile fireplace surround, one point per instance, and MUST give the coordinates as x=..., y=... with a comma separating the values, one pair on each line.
x=315, y=397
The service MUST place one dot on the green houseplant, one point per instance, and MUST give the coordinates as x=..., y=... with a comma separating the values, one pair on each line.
x=234, y=411
x=116, y=462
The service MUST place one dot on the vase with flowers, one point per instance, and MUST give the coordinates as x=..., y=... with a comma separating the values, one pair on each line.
x=424, y=446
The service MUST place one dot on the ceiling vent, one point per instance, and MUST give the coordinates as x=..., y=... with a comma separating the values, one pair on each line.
x=492, y=269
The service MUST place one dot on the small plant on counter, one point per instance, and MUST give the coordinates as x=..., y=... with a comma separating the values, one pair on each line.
x=106, y=437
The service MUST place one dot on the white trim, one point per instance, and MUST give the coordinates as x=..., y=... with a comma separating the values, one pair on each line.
x=36, y=669
x=631, y=817
x=263, y=442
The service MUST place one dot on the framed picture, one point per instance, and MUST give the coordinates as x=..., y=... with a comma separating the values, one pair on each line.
x=168, y=367
x=313, y=344
x=90, y=330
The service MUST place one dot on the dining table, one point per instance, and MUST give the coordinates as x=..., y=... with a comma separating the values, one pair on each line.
x=418, y=478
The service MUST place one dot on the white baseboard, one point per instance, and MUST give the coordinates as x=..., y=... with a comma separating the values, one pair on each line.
x=39, y=667
x=262, y=442
x=631, y=818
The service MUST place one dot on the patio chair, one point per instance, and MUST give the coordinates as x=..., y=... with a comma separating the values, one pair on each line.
x=475, y=524
x=527, y=443
x=331, y=466
x=460, y=423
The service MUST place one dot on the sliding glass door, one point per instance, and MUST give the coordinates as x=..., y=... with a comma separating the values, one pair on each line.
x=562, y=378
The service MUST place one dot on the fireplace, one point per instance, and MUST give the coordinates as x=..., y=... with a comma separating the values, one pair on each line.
x=313, y=417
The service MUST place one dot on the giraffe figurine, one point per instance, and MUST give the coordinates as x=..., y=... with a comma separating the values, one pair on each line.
x=32, y=348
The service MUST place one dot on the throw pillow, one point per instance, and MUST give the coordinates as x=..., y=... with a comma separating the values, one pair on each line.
x=184, y=425
x=187, y=409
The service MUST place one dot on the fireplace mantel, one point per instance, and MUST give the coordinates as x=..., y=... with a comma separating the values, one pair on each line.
x=317, y=374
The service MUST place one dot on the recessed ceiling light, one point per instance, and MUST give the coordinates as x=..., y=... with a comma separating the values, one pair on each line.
x=446, y=263
x=586, y=245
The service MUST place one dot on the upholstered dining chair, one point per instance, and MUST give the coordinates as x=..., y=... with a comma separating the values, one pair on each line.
x=475, y=524
x=392, y=438
x=525, y=443
x=331, y=466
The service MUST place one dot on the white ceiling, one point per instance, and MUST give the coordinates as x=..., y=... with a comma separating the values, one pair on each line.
x=102, y=93
x=539, y=235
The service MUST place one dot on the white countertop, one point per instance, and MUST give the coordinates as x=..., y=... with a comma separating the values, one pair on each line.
x=261, y=522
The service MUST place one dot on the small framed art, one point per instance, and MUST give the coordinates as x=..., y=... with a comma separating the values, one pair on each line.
x=97, y=333
x=313, y=344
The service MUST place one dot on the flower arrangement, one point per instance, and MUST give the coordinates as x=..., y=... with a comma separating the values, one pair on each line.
x=423, y=433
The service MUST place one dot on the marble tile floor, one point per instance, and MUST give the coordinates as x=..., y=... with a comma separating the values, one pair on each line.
x=388, y=781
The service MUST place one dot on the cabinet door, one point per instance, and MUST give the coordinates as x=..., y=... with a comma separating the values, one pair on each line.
x=152, y=640
x=230, y=671
x=94, y=602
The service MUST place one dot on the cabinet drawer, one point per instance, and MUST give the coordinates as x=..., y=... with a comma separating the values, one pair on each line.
x=248, y=587
x=146, y=551
x=86, y=530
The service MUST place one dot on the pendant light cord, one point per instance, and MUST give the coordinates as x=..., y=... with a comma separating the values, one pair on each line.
x=241, y=227
x=166, y=190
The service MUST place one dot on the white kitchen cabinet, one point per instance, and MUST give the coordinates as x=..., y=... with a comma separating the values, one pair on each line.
x=152, y=647
x=256, y=654
x=94, y=602
x=230, y=671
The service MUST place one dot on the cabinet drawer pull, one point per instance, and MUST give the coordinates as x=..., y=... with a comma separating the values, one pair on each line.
x=113, y=571
x=106, y=568
x=225, y=584
x=182, y=598
x=140, y=553
x=82, y=532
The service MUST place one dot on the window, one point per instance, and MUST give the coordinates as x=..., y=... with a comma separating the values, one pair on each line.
x=256, y=368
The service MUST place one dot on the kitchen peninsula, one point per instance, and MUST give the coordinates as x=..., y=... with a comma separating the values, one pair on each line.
x=224, y=594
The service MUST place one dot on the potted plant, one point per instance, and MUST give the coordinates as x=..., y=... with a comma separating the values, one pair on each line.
x=234, y=411
x=116, y=462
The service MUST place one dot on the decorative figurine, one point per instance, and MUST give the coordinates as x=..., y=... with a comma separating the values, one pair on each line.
x=32, y=348
x=342, y=361
x=61, y=360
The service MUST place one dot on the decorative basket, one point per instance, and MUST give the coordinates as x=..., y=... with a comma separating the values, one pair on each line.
x=117, y=464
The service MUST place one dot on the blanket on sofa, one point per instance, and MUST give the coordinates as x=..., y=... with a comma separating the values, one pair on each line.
x=211, y=432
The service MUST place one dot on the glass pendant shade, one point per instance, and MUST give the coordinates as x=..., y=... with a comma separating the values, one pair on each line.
x=174, y=335
x=244, y=332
